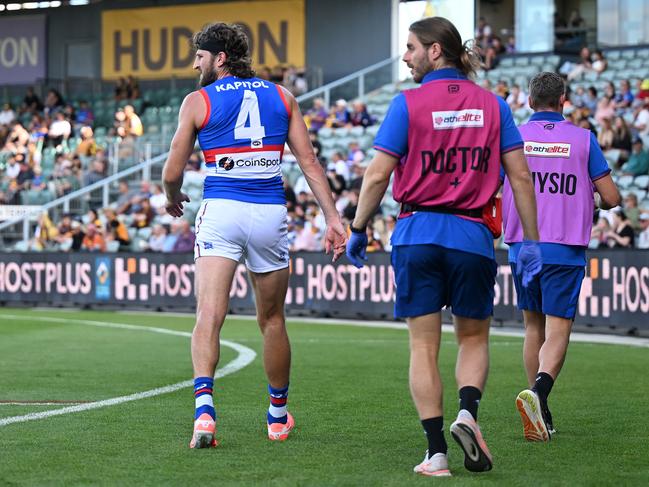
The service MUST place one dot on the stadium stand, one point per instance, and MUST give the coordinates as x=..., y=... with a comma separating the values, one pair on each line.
x=45, y=155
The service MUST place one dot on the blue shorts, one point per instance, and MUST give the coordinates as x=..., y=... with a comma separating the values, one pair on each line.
x=429, y=277
x=554, y=291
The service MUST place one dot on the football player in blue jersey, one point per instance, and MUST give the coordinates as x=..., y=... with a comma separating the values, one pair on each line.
x=242, y=124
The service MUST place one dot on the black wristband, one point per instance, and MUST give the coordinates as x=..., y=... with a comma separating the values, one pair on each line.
x=357, y=230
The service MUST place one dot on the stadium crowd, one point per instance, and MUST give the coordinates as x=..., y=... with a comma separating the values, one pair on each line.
x=136, y=220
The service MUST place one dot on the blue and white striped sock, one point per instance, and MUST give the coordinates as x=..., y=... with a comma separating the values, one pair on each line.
x=203, y=389
x=277, y=409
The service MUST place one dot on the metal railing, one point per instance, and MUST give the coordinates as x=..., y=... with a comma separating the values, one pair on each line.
x=355, y=85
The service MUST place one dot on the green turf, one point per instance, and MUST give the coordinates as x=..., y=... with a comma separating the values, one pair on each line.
x=356, y=424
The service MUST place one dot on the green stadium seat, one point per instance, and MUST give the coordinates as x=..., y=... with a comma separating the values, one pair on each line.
x=612, y=54
x=522, y=61
x=629, y=53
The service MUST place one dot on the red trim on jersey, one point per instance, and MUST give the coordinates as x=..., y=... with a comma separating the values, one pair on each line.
x=209, y=154
x=208, y=107
x=283, y=97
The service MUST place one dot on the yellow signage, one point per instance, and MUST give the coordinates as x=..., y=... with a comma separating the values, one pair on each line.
x=151, y=43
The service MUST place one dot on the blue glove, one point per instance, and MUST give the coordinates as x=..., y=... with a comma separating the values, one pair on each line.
x=356, y=248
x=529, y=261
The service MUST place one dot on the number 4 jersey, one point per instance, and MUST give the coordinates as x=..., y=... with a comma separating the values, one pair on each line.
x=242, y=139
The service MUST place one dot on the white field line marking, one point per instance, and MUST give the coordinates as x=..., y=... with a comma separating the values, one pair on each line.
x=245, y=357
x=597, y=338
x=19, y=403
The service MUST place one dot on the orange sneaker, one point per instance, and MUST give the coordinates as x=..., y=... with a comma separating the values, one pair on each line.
x=280, y=431
x=529, y=406
x=204, y=432
x=466, y=432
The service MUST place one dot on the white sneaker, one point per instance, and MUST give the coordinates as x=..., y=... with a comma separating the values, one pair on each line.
x=435, y=466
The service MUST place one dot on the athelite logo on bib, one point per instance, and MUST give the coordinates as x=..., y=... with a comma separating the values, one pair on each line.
x=458, y=118
x=547, y=149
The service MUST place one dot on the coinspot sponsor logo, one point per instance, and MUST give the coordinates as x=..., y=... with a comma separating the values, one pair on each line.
x=228, y=163
x=103, y=266
x=547, y=149
x=456, y=119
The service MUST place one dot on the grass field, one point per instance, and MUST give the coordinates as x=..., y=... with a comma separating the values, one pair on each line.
x=355, y=421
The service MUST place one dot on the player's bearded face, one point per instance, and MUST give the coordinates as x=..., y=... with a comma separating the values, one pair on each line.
x=208, y=75
x=416, y=57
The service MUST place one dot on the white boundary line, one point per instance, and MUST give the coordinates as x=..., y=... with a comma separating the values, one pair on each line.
x=245, y=357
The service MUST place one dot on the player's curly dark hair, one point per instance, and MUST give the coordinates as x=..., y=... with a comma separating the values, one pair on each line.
x=234, y=39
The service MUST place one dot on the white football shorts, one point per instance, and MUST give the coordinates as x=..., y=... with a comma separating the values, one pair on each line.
x=254, y=232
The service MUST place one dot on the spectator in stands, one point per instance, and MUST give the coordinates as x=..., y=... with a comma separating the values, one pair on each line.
x=578, y=97
x=483, y=32
x=92, y=217
x=123, y=203
x=96, y=172
x=53, y=102
x=38, y=183
x=606, y=134
x=624, y=99
x=31, y=102
x=115, y=230
x=643, y=236
x=490, y=60
x=350, y=210
x=12, y=169
x=156, y=239
x=93, y=241
x=132, y=88
x=157, y=198
x=84, y=115
x=317, y=146
x=120, y=89
x=7, y=114
x=77, y=236
x=186, y=238
x=355, y=154
x=17, y=139
x=502, y=89
x=621, y=138
x=88, y=146
x=340, y=162
x=385, y=233
x=360, y=117
x=641, y=123
x=316, y=116
x=642, y=94
x=638, y=160
x=294, y=81
x=517, y=99
x=605, y=109
x=337, y=182
x=631, y=210
x=373, y=242
x=510, y=45
x=26, y=174
x=621, y=234
x=193, y=171
x=65, y=229
x=264, y=73
x=142, y=214
x=600, y=63
x=356, y=179
x=591, y=99
x=172, y=236
x=134, y=126
x=340, y=116
x=60, y=130
x=45, y=233
x=584, y=65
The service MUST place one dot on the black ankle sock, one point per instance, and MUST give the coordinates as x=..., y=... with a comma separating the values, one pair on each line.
x=543, y=385
x=470, y=400
x=434, y=428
